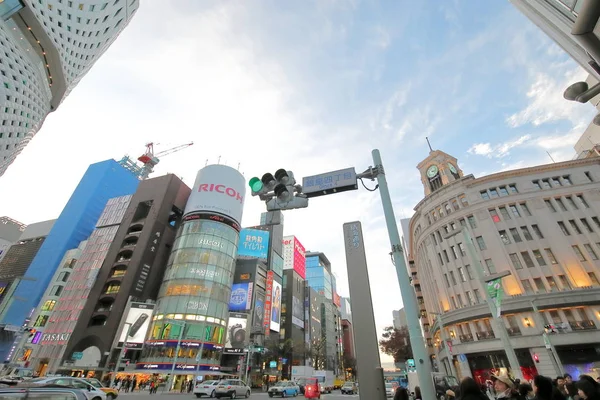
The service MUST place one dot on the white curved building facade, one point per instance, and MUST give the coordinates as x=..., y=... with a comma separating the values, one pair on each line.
x=46, y=47
x=541, y=225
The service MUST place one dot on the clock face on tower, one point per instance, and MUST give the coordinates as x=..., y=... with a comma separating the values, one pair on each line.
x=432, y=171
x=452, y=168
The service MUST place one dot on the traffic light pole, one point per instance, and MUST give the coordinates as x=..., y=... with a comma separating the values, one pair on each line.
x=547, y=342
x=409, y=297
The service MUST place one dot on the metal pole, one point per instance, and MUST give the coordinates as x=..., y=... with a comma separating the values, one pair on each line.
x=500, y=328
x=199, y=356
x=445, y=341
x=409, y=297
x=172, y=377
x=123, y=348
x=248, y=361
x=547, y=342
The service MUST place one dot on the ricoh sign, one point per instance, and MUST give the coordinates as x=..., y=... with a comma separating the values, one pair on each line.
x=218, y=190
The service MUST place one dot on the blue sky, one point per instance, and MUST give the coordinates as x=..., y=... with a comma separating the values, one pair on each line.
x=312, y=86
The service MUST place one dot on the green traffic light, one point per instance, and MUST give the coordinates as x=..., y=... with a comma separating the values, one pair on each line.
x=255, y=184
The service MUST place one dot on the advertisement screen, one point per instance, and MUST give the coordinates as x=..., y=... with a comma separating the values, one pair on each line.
x=276, y=307
x=277, y=264
x=241, y=296
x=259, y=313
x=218, y=189
x=254, y=243
x=299, y=259
x=237, y=336
x=268, y=302
x=337, y=300
x=297, y=312
x=137, y=322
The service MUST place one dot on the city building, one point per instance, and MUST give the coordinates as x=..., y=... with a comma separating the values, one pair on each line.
x=132, y=271
x=47, y=46
x=313, y=330
x=193, y=303
x=399, y=318
x=25, y=351
x=65, y=298
x=540, y=227
x=10, y=230
x=76, y=222
x=319, y=277
x=347, y=332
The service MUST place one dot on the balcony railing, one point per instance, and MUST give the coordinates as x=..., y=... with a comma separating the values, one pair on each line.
x=485, y=335
x=582, y=325
x=466, y=338
x=514, y=331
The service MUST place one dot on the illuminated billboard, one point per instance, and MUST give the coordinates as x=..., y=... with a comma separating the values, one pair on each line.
x=241, y=296
x=237, y=335
x=276, y=307
x=254, y=243
x=136, y=324
x=294, y=255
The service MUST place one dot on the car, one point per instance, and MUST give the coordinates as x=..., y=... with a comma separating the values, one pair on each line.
x=349, y=388
x=111, y=394
x=232, y=388
x=206, y=388
x=389, y=390
x=91, y=392
x=284, y=389
x=312, y=388
x=42, y=392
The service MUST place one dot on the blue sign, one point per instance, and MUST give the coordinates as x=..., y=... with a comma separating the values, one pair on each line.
x=240, y=295
x=330, y=182
x=273, y=364
x=254, y=243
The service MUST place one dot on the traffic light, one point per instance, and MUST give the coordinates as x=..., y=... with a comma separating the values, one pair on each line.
x=536, y=358
x=30, y=331
x=279, y=190
x=550, y=328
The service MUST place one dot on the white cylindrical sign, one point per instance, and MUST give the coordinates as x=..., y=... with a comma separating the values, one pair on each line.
x=219, y=190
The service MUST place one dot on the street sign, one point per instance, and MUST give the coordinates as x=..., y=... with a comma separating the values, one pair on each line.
x=77, y=355
x=13, y=328
x=330, y=182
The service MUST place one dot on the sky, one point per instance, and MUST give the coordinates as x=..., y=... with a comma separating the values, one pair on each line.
x=312, y=86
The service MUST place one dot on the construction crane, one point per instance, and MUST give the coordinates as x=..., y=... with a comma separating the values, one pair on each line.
x=149, y=160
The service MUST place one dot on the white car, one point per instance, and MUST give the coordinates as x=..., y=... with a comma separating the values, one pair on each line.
x=390, y=391
x=206, y=388
x=91, y=392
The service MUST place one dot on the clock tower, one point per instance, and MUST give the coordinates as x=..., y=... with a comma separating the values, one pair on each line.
x=437, y=170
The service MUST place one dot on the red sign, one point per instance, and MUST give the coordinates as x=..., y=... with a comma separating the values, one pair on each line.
x=299, y=259
x=229, y=191
x=336, y=300
x=268, y=298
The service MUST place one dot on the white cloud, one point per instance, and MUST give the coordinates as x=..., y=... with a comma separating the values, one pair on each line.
x=500, y=150
x=481, y=149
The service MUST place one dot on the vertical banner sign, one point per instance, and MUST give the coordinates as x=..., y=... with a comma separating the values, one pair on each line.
x=148, y=258
x=494, y=289
x=268, y=301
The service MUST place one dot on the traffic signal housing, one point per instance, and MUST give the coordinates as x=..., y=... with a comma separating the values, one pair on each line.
x=279, y=190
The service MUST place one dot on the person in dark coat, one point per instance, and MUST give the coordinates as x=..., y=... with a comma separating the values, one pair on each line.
x=526, y=391
x=587, y=390
x=418, y=393
x=542, y=387
x=470, y=390
x=401, y=394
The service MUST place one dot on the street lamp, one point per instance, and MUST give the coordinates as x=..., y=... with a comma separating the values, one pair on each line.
x=557, y=364
x=182, y=325
x=445, y=341
x=483, y=280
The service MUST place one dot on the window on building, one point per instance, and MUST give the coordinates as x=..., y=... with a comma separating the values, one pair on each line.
x=527, y=286
x=504, y=237
x=586, y=225
x=452, y=278
x=461, y=248
x=550, y=255
x=546, y=183
x=590, y=251
x=596, y=221
x=525, y=209
x=513, y=188
x=567, y=179
x=56, y=290
x=579, y=253
x=440, y=259
x=470, y=298
x=455, y=205
x=539, y=285
x=447, y=281
x=459, y=300
x=571, y=202
x=49, y=305
x=462, y=222
x=494, y=215
x=550, y=205
x=575, y=226
x=504, y=213
x=453, y=249
x=526, y=233
x=472, y=221
x=556, y=182
x=490, y=266
x=582, y=201
x=539, y=257
x=446, y=256
x=493, y=192
x=484, y=195
x=514, y=210
x=63, y=276
x=588, y=176
x=564, y=281
x=477, y=296
x=515, y=234
x=514, y=258
x=560, y=203
x=536, y=184
x=563, y=228
x=41, y=320
x=469, y=271
x=503, y=191
x=461, y=273
x=527, y=259
x=594, y=279
x=537, y=231
x=481, y=243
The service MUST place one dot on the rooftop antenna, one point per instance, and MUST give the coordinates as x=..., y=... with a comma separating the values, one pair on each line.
x=429, y=144
x=206, y=163
x=219, y=160
x=550, y=157
x=238, y=166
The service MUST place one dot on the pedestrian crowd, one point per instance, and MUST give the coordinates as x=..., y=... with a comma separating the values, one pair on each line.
x=502, y=387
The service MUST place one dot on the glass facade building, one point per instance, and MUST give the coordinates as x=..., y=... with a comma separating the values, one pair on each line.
x=193, y=302
x=318, y=277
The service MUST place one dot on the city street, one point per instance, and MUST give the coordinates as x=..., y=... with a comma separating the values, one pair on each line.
x=144, y=395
